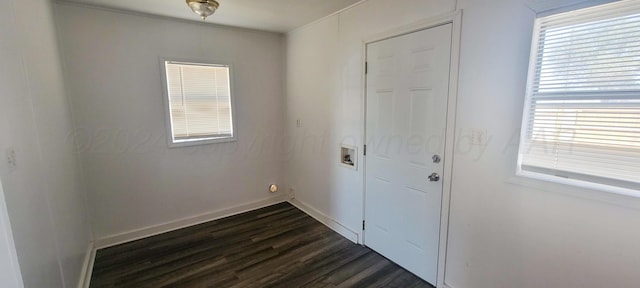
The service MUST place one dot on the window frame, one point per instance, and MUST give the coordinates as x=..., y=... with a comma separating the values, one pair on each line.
x=526, y=117
x=167, y=105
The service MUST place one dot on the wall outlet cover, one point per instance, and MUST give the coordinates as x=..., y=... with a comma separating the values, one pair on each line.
x=12, y=164
x=478, y=136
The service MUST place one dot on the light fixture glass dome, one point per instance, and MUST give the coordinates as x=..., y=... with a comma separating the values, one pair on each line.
x=203, y=8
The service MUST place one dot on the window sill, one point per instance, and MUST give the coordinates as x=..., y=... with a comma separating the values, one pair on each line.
x=203, y=141
x=602, y=193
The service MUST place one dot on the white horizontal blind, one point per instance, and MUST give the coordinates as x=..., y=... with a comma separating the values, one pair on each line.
x=582, y=118
x=199, y=100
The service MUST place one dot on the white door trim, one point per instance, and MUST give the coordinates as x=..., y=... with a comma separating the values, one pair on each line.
x=9, y=242
x=454, y=18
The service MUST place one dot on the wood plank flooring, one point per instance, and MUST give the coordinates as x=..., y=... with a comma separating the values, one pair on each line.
x=276, y=246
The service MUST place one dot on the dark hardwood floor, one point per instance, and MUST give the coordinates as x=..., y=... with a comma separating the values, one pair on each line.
x=277, y=246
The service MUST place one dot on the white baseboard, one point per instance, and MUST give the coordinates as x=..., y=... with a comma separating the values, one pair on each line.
x=445, y=285
x=121, y=238
x=87, y=267
x=182, y=223
x=326, y=220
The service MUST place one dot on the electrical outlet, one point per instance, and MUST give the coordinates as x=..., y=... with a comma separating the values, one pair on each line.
x=292, y=193
x=298, y=123
x=10, y=154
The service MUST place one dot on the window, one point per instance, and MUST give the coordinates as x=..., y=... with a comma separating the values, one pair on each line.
x=581, y=122
x=199, y=103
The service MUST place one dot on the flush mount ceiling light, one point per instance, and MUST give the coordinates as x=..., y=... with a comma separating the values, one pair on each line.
x=203, y=8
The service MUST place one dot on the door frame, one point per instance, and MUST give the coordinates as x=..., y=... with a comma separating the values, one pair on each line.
x=454, y=18
x=8, y=240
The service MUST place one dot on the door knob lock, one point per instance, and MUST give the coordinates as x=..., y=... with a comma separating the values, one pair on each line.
x=436, y=158
x=434, y=177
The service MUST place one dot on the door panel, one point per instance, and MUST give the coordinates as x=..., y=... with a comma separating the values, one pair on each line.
x=407, y=90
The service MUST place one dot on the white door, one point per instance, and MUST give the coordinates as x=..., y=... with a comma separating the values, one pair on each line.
x=407, y=92
x=9, y=270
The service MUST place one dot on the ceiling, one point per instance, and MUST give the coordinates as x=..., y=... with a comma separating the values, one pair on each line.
x=541, y=6
x=273, y=15
x=270, y=15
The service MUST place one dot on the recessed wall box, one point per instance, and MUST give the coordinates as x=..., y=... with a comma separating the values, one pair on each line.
x=349, y=156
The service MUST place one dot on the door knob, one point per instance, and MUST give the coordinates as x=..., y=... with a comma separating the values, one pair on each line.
x=434, y=177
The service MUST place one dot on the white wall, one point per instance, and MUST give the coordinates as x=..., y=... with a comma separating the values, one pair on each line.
x=324, y=91
x=44, y=194
x=113, y=70
x=511, y=232
x=504, y=231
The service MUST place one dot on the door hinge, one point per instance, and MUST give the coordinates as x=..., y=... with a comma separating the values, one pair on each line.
x=363, y=225
x=365, y=150
x=366, y=67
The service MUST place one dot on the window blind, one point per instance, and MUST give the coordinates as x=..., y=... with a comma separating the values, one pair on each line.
x=582, y=114
x=199, y=100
